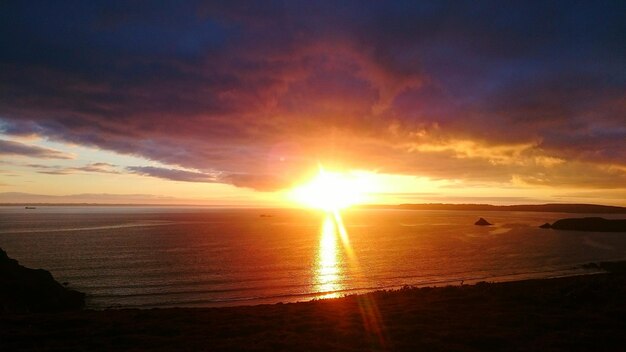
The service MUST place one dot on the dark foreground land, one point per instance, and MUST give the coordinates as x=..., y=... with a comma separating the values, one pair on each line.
x=584, y=313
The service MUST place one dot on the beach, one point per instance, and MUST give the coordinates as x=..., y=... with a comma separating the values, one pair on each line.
x=581, y=313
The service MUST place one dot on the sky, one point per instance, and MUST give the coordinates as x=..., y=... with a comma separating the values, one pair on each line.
x=238, y=102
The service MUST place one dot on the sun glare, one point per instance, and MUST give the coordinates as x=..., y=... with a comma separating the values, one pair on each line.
x=333, y=190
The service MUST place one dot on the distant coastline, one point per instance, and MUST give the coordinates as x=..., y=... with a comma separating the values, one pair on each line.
x=541, y=208
x=117, y=205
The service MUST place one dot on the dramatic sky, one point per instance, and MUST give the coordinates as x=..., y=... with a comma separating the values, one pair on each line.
x=232, y=102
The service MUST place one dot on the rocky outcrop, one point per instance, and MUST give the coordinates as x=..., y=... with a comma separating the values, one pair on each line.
x=24, y=290
x=482, y=222
x=594, y=224
x=546, y=226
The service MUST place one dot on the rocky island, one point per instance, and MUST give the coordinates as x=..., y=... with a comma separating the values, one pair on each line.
x=596, y=224
x=482, y=222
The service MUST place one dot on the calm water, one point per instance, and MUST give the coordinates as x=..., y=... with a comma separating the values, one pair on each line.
x=153, y=257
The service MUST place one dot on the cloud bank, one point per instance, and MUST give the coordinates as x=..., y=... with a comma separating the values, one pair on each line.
x=255, y=94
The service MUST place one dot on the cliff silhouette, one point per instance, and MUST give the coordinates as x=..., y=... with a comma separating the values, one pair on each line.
x=25, y=290
x=595, y=224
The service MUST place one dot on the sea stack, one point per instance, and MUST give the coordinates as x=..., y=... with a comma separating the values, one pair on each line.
x=482, y=222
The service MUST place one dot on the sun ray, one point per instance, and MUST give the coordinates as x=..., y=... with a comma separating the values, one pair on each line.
x=332, y=192
x=335, y=247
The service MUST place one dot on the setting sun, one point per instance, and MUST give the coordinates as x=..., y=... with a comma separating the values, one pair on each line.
x=333, y=190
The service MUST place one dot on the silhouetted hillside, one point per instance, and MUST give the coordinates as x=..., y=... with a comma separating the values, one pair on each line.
x=24, y=290
x=594, y=224
x=553, y=208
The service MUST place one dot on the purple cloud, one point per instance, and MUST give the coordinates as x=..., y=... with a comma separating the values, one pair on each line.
x=21, y=149
x=482, y=92
x=259, y=182
x=104, y=168
x=172, y=174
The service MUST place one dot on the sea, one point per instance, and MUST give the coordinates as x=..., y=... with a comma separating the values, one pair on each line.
x=146, y=257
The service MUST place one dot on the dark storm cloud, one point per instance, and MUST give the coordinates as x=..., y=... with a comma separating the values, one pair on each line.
x=393, y=86
x=21, y=149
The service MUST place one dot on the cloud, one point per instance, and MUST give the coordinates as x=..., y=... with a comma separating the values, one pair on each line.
x=172, y=174
x=98, y=167
x=258, y=182
x=576, y=175
x=105, y=168
x=16, y=148
x=256, y=95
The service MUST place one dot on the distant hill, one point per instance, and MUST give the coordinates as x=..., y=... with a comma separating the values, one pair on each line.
x=26, y=199
x=17, y=198
x=107, y=199
x=551, y=208
x=87, y=199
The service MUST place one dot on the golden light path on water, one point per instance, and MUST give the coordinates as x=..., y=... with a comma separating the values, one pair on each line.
x=328, y=260
x=328, y=278
x=330, y=257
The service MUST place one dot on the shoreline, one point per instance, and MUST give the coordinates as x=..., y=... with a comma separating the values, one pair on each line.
x=584, y=312
x=573, y=271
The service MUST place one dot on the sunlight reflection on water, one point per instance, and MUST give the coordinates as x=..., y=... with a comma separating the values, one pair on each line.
x=221, y=257
x=329, y=257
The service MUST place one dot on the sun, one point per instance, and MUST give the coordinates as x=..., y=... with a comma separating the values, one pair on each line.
x=332, y=191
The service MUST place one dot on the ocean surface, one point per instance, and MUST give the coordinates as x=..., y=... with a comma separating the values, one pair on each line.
x=146, y=257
